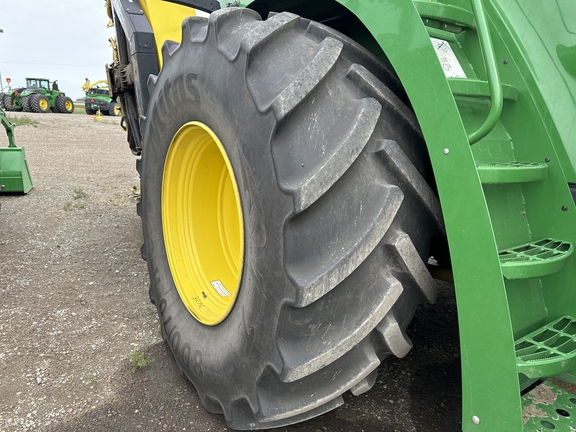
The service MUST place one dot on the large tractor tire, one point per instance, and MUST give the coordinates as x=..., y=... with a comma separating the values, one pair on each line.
x=286, y=215
x=9, y=102
x=114, y=109
x=39, y=103
x=64, y=104
x=26, y=103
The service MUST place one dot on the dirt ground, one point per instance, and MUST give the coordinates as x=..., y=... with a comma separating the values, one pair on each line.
x=74, y=303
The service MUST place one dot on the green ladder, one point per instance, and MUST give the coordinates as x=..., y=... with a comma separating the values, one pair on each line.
x=533, y=220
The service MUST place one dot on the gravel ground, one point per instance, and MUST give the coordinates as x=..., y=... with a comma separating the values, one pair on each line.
x=74, y=303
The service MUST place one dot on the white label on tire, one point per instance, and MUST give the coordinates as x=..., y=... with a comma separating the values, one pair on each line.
x=220, y=289
x=448, y=60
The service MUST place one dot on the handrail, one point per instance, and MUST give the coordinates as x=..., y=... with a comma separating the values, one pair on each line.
x=496, y=97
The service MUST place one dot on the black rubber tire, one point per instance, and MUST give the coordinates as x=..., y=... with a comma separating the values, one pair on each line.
x=26, y=103
x=62, y=103
x=112, y=109
x=89, y=111
x=2, y=101
x=36, y=101
x=337, y=213
x=9, y=102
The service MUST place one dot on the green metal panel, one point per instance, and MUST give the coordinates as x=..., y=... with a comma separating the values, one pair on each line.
x=545, y=38
x=548, y=407
x=14, y=172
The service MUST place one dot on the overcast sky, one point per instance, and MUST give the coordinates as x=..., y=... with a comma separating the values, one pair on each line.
x=64, y=40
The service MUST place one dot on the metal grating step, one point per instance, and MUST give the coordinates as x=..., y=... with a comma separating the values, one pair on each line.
x=548, y=407
x=548, y=351
x=511, y=172
x=536, y=259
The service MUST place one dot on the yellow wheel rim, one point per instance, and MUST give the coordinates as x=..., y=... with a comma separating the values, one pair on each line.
x=117, y=110
x=202, y=223
x=68, y=105
x=43, y=104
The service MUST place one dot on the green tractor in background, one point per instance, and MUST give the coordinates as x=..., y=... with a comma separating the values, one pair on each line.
x=40, y=97
x=98, y=99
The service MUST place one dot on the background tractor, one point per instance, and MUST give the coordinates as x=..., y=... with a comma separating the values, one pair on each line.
x=304, y=167
x=41, y=97
x=98, y=98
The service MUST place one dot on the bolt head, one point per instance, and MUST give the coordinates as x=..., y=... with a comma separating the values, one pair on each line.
x=475, y=420
x=446, y=151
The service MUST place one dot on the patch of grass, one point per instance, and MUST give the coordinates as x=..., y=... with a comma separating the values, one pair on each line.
x=79, y=108
x=79, y=194
x=93, y=378
x=77, y=202
x=137, y=360
x=118, y=199
x=23, y=121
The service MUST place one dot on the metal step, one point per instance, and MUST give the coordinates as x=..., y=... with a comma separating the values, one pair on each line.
x=535, y=259
x=548, y=351
x=475, y=88
x=511, y=172
x=548, y=407
x=447, y=14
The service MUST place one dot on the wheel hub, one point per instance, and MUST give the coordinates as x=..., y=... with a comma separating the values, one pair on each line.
x=202, y=223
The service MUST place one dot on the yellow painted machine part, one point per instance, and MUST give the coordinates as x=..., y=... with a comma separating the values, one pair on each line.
x=43, y=104
x=202, y=223
x=166, y=21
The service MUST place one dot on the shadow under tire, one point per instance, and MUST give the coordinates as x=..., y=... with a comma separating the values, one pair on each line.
x=336, y=213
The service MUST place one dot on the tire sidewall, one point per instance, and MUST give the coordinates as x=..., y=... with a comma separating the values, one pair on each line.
x=238, y=349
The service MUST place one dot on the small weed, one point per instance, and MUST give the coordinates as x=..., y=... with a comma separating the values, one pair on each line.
x=137, y=360
x=74, y=204
x=93, y=378
x=23, y=121
x=118, y=199
x=77, y=200
x=79, y=193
